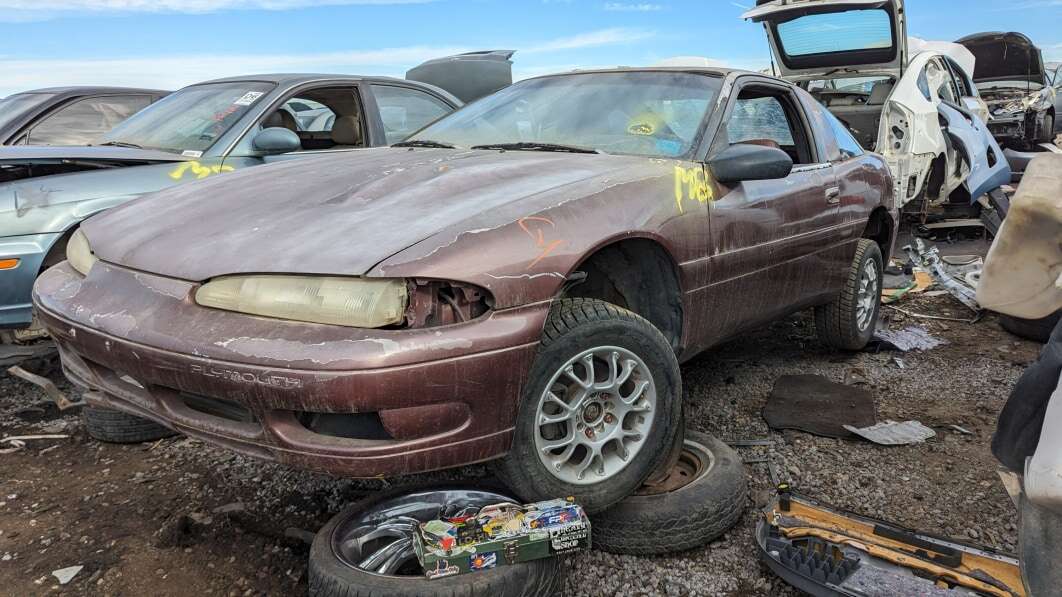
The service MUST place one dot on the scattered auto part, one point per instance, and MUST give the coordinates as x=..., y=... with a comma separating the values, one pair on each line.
x=1010, y=76
x=368, y=547
x=468, y=76
x=704, y=496
x=828, y=552
x=891, y=433
x=49, y=387
x=909, y=338
x=12, y=354
x=816, y=405
x=462, y=540
x=929, y=259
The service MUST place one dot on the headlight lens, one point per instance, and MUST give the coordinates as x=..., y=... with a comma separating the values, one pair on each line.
x=79, y=253
x=352, y=302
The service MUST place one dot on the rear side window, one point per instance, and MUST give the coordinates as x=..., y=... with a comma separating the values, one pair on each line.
x=81, y=122
x=405, y=111
x=836, y=32
x=846, y=143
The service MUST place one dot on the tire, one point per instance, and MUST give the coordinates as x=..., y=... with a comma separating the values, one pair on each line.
x=1037, y=330
x=574, y=327
x=709, y=504
x=838, y=323
x=116, y=427
x=1049, y=129
x=330, y=576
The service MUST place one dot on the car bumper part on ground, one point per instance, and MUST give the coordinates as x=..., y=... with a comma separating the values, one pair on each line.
x=351, y=402
x=16, y=283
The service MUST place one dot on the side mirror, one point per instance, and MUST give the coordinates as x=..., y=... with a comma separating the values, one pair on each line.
x=742, y=162
x=276, y=140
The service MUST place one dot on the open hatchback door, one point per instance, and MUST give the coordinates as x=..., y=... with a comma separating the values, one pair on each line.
x=817, y=38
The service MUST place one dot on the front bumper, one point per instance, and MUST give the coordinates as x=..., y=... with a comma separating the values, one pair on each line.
x=16, y=285
x=358, y=403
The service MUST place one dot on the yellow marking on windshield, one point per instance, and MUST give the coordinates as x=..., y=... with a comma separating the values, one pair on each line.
x=198, y=170
x=692, y=184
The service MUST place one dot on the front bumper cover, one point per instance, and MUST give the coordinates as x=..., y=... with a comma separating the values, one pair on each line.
x=445, y=396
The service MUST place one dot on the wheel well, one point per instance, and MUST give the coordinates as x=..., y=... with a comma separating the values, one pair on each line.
x=879, y=229
x=57, y=252
x=639, y=275
x=935, y=179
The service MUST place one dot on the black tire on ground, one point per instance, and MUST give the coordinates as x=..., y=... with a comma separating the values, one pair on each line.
x=1037, y=330
x=651, y=523
x=116, y=427
x=837, y=322
x=575, y=325
x=331, y=577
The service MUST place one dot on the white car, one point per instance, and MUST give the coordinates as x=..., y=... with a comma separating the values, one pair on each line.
x=921, y=112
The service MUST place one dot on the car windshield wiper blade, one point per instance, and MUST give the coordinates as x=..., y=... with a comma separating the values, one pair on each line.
x=424, y=143
x=120, y=144
x=536, y=146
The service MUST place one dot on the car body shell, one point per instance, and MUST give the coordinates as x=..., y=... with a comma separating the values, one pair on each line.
x=38, y=212
x=52, y=99
x=517, y=224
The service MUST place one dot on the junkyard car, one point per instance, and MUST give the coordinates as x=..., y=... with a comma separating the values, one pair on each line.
x=519, y=279
x=1011, y=77
x=195, y=133
x=921, y=112
x=69, y=115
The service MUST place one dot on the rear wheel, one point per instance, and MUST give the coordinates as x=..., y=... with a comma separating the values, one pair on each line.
x=848, y=322
x=116, y=427
x=602, y=407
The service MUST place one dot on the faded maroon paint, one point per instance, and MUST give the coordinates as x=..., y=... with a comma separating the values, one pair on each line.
x=515, y=223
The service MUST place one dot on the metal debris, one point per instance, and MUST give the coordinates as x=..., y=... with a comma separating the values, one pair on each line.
x=45, y=384
x=19, y=442
x=65, y=575
x=891, y=433
x=929, y=259
x=908, y=339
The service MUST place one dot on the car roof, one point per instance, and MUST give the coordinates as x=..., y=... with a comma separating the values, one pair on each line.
x=91, y=89
x=289, y=79
x=712, y=71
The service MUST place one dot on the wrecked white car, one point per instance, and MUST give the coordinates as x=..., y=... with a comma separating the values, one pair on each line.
x=1011, y=77
x=921, y=112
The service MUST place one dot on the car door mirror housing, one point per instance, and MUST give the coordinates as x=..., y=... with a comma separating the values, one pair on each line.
x=276, y=140
x=741, y=162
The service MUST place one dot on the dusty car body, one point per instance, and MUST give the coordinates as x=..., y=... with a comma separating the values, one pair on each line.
x=1011, y=77
x=69, y=115
x=196, y=133
x=486, y=239
x=854, y=56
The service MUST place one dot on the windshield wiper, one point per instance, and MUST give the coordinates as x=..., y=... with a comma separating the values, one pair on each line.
x=536, y=146
x=120, y=144
x=424, y=143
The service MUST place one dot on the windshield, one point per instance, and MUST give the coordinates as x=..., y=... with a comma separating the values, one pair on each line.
x=16, y=105
x=191, y=119
x=656, y=114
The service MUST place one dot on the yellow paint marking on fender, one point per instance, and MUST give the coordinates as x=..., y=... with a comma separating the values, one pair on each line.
x=691, y=183
x=198, y=170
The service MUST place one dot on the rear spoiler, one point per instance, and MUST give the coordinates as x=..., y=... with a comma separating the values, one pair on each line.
x=468, y=76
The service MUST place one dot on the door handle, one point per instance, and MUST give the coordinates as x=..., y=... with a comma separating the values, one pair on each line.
x=833, y=195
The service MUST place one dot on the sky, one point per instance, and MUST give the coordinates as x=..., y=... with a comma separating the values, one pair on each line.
x=170, y=43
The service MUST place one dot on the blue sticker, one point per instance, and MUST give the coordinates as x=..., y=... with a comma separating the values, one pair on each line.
x=483, y=561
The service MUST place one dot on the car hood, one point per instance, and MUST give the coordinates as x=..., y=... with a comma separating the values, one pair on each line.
x=1005, y=57
x=31, y=154
x=336, y=215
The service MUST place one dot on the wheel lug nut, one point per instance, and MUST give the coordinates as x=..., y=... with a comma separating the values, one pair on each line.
x=610, y=419
x=590, y=433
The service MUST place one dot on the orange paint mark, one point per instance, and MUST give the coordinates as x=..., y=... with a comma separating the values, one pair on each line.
x=535, y=227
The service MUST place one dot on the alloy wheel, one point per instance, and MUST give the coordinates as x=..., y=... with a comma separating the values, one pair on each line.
x=869, y=295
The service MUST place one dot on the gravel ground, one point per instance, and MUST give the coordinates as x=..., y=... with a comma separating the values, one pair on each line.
x=180, y=517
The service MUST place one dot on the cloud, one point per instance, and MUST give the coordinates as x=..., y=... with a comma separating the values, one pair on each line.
x=631, y=7
x=175, y=71
x=31, y=10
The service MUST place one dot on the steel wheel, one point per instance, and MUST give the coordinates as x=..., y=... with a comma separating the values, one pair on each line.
x=380, y=540
x=869, y=295
x=595, y=415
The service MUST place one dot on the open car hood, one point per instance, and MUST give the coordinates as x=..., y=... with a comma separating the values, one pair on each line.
x=1005, y=57
x=811, y=38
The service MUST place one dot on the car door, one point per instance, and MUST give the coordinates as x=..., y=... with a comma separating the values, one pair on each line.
x=81, y=121
x=769, y=238
x=967, y=90
x=327, y=117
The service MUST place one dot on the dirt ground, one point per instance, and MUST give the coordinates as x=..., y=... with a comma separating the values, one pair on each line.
x=179, y=517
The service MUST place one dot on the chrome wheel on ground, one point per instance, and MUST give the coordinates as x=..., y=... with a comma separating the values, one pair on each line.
x=595, y=414
x=848, y=321
x=367, y=550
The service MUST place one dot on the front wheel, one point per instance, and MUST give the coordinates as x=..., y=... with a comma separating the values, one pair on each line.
x=601, y=410
x=848, y=322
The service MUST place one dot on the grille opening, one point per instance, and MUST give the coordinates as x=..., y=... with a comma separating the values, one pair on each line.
x=223, y=409
x=345, y=425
